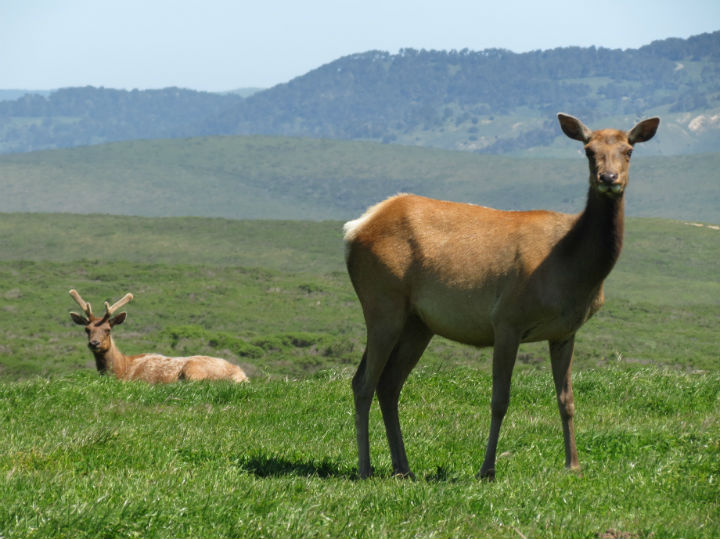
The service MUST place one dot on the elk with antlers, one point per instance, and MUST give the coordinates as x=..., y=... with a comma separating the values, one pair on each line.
x=153, y=368
x=484, y=277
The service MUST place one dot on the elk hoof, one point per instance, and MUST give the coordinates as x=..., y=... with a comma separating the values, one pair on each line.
x=404, y=475
x=365, y=474
x=574, y=469
x=487, y=475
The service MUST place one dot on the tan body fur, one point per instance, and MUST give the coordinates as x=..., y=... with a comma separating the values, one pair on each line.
x=152, y=367
x=506, y=252
x=157, y=368
x=484, y=277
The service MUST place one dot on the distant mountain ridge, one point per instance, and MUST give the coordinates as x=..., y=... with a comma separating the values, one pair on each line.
x=11, y=95
x=72, y=117
x=491, y=101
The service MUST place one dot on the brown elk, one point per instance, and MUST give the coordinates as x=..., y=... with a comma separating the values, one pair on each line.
x=153, y=368
x=484, y=277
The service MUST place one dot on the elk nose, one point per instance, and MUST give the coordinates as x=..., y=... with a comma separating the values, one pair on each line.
x=94, y=344
x=608, y=178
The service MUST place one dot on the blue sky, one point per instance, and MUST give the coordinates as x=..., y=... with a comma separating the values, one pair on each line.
x=219, y=45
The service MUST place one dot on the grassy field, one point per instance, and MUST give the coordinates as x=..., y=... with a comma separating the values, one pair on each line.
x=88, y=456
x=275, y=296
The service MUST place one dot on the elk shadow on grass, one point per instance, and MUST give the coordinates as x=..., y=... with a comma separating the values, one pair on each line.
x=263, y=465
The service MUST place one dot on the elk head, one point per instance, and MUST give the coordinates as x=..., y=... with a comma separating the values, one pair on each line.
x=608, y=151
x=98, y=328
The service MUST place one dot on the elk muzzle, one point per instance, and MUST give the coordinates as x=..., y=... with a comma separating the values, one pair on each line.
x=607, y=182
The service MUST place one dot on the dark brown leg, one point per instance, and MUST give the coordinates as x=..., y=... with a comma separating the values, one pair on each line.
x=381, y=341
x=504, y=355
x=412, y=344
x=561, y=355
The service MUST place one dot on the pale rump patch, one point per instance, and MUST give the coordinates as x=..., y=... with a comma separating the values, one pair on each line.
x=351, y=228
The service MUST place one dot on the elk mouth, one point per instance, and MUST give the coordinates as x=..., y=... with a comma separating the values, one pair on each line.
x=611, y=189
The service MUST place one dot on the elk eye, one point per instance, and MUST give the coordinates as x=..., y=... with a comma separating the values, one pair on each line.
x=589, y=152
x=87, y=330
x=629, y=153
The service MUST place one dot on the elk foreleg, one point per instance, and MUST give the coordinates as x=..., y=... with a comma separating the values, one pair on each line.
x=504, y=355
x=561, y=356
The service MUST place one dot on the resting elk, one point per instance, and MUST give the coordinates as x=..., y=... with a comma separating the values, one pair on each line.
x=484, y=277
x=153, y=368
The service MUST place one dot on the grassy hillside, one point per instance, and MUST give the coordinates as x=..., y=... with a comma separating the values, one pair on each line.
x=274, y=296
x=291, y=178
x=288, y=246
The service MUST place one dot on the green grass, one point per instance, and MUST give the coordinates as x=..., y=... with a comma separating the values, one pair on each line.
x=88, y=456
x=289, y=246
x=93, y=457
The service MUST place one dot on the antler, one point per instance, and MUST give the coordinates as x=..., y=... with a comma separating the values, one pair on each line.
x=84, y=305
x=109, y=310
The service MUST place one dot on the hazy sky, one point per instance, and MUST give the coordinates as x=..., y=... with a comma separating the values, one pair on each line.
x=223, y=44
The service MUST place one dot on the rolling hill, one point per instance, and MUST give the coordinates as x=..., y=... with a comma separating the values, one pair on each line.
x=253, y=177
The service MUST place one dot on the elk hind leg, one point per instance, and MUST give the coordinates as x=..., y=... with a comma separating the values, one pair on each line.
x=411, y=345
x=193, y=370
x=381, y=340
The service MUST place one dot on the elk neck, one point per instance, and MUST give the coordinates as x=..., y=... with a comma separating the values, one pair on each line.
x=111, y=360
x=592, y=246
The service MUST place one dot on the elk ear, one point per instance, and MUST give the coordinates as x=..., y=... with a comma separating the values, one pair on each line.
x=574, y=128
x=79, y=319
x=117, y=320
x=643, y=131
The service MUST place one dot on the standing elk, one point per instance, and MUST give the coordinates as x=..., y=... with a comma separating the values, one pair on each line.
x=153, y=368
x=484, y=277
